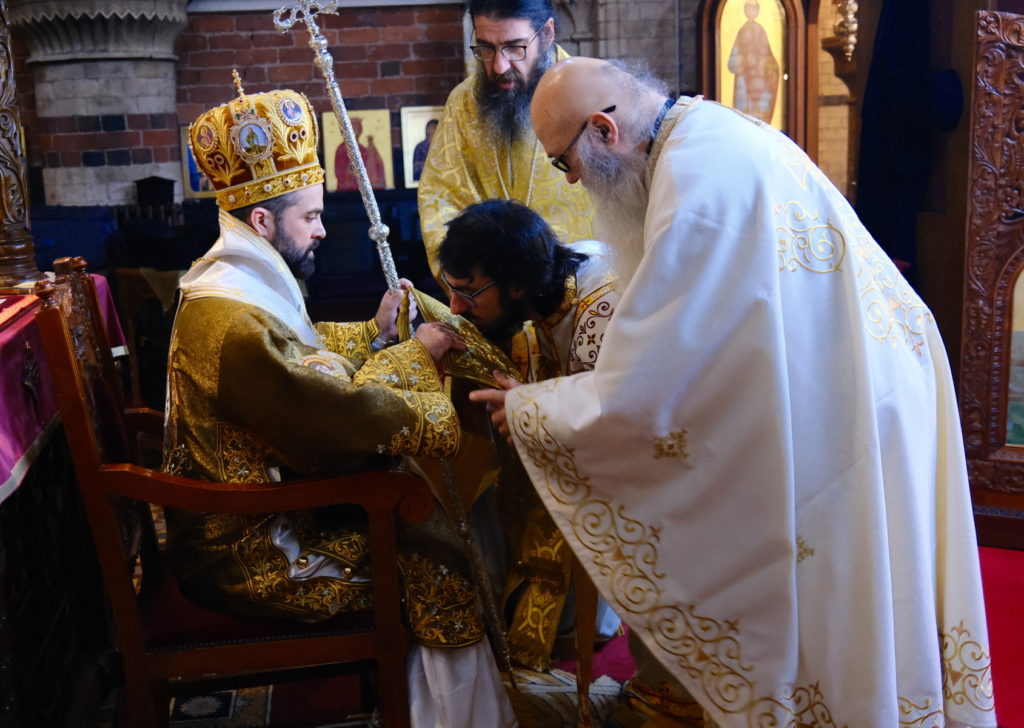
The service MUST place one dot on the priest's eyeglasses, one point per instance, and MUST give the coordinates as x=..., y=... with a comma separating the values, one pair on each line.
x=559, y=162
x=486, y=53
x=469, y=298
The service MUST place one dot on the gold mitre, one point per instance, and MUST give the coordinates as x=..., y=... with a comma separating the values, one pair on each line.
x=257, y=146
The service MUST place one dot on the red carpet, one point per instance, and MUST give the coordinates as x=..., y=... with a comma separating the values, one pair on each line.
x=1002, y=574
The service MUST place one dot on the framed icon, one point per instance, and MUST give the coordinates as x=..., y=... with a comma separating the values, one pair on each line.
x=754, y=58
x=196, y=183
x=418, y=126
x=373, y=135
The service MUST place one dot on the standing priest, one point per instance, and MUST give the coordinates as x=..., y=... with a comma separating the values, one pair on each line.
x=484, y=148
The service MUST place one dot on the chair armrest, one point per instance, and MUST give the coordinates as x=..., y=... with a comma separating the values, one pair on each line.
x=145, y=421
x=374, y=490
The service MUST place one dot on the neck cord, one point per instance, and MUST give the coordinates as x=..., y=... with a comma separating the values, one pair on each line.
x=669, y=103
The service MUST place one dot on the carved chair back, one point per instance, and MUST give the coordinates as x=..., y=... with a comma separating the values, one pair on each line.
x=162, y=638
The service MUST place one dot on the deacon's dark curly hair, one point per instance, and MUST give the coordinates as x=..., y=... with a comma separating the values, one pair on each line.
x=510, y=243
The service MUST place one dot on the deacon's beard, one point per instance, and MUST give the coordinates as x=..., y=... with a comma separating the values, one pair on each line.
x=506, y=112
x=618, y=186
x=507, y=324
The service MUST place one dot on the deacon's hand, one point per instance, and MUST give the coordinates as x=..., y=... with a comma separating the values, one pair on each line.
x=439, y=338
x=495, y=401
x=387, y=312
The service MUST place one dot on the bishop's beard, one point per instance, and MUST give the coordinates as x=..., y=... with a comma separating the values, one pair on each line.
x=506, y=113
x=618, y=186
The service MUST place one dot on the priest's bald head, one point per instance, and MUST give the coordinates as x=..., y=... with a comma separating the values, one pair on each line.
x=596, y=120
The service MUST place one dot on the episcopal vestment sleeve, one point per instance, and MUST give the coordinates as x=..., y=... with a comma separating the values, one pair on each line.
x=402, y=412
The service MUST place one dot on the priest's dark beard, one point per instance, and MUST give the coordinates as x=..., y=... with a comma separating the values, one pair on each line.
x=618, y=186
x=506, y=113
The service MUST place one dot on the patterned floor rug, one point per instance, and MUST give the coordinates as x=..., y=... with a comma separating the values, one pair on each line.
x=548, y=699
x=543, y=700
x=255, y=708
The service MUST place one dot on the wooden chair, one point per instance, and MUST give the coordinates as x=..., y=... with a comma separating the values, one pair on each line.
x=162, y=638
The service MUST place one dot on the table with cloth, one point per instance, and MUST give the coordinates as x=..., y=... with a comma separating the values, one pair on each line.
x=55, y=650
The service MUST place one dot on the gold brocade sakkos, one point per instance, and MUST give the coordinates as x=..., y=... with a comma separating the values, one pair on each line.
x=225, y=350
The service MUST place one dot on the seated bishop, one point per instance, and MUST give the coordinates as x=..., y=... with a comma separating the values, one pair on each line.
x=256, y=393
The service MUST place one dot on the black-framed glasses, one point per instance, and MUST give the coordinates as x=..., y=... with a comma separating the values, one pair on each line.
x=486, y=53
x=469, y=298
x=559, y=162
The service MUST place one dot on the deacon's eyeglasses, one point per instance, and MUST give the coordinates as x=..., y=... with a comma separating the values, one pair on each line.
x=469, y=298
x=559, y=162
x=486, y=53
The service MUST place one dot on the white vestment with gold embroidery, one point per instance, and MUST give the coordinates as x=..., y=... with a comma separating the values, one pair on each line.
x=764, y=473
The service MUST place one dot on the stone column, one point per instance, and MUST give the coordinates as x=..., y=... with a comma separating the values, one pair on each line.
x=104, y=74
x=17, y=252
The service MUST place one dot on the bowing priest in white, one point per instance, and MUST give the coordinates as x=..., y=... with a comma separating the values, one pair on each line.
x=764, y=473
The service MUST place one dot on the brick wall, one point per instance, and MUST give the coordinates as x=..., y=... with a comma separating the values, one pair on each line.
x=646, y=30
x=384, y=58
x=88, y=128
x=836, y=137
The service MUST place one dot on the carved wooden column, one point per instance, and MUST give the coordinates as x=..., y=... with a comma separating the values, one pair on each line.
x=17, y=251
x=993, y=261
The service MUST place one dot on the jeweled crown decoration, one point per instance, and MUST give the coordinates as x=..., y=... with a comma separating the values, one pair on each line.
x=257, y=146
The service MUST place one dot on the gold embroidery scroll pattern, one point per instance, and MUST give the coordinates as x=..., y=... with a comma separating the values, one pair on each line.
x=179, y=461
x=672, y=445
x=351, y=340
x=436, y=431
x=802, y=549
x=625, y=553
x=920, y=716
x=241, y=458
x=532, y=631
x=535, y=620
x=266, y=576
x=350, y=548
x=895, y=314
x=805, y=242
x=440, y=604
x=967, y=677
x=796, y=162
x=590, y=311
x=404, y=366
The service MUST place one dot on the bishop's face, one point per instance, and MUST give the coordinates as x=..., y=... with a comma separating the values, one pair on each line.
x=298, y=230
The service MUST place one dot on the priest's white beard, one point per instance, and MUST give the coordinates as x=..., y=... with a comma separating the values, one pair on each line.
x=618, y=185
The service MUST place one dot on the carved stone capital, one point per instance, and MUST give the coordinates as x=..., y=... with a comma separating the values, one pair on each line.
x=56, y=30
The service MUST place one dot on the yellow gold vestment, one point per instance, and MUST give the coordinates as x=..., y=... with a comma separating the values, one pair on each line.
x=250, y=402
x=464, y=167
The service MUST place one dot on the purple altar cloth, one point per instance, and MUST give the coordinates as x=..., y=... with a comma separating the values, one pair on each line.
x=28, y=406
